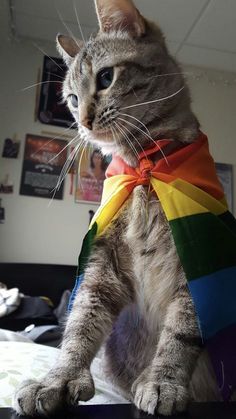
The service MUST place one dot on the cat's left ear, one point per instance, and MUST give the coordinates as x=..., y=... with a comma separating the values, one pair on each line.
x=68, y=47
x=114, y=15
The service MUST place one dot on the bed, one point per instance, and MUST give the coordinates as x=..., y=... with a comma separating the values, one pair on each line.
x=21, y=358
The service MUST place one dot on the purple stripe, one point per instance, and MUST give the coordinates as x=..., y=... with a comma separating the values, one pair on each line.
x=222, y=351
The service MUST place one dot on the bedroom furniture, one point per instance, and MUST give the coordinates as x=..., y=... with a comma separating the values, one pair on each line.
x=38, y=279
x=35, y=280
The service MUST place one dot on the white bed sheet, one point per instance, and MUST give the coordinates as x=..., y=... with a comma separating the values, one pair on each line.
x=22, y=360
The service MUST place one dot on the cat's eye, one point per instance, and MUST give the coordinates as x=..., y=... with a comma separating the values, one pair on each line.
x=104, y=78
x=73, y=100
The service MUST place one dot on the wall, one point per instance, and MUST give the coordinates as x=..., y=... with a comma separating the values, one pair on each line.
x=34, y=232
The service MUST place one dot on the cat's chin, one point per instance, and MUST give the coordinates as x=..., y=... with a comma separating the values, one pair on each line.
x=102, y=136
x=102, y=139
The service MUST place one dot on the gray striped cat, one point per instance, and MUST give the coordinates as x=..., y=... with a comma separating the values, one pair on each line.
x=124, y=90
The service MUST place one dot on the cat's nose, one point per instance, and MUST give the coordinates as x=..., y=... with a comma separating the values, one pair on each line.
x=87, y=122
x=86, y=115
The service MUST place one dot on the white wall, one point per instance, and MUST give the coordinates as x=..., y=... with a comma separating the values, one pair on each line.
x=35, y=233
x=32, y=232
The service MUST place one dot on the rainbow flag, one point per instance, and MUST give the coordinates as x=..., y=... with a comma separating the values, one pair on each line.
x=204, y=233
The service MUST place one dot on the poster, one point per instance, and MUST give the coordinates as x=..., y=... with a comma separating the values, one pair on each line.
x=51, y=110
x=225, y=174
x=91, y=175
x=43, y=162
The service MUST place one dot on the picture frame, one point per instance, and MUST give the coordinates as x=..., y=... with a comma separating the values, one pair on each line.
x=44, y=158
x=90, y=176
x=11, y=148
x=51, y=110
x=225, y=175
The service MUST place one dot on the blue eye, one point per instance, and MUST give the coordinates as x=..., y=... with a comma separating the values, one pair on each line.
x=74, y=100
x=104, y=78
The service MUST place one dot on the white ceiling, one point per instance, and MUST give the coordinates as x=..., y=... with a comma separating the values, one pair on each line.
x=199, y=32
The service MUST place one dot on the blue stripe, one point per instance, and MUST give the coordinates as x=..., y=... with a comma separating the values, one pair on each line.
x=214, y=297
x=78, y=281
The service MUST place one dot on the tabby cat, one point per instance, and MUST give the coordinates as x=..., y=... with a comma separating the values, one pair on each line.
x=134, y=297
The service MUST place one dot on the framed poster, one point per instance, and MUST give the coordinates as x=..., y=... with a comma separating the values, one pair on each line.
x=225, y=174
x=43, y=162
x=91, y=175
x=51, y=110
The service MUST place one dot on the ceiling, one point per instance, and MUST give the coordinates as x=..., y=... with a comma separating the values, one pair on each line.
x=198, y=32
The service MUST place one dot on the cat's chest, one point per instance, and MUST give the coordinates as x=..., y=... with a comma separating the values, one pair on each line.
x=153, y=252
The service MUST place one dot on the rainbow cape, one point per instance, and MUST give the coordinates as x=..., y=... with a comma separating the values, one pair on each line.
x=204, y=233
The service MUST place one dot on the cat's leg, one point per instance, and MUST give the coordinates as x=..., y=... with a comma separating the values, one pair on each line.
x=101, y=297
x=129, y=348
x=163, y=386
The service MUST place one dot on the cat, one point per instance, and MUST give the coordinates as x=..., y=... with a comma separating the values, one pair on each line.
x=124, y=89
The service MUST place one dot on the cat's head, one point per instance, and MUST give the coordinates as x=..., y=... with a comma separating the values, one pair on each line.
x=115, y=73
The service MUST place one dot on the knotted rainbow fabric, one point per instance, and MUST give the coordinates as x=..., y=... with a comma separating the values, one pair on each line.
x=204, y=233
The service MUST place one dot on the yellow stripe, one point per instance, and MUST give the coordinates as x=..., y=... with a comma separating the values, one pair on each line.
x=114, y=195
x=180, y=199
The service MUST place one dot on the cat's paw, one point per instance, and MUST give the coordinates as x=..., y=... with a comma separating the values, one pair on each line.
x=165, y=398
x=36, y=398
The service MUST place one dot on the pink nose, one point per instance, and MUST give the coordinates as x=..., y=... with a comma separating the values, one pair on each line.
x=86, y=122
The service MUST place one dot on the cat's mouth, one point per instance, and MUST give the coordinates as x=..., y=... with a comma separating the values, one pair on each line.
x=105, y=135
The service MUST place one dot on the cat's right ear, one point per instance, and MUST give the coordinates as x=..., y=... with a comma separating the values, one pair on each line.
x=114, y=15
x=68, y=47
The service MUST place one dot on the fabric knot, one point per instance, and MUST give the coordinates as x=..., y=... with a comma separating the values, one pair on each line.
x=145, y=168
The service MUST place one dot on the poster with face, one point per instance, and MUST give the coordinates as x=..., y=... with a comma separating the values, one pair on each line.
x=44, y=159
x=91, y=175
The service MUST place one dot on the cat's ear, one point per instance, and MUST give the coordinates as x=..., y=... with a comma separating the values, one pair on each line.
x=116, y=15
x=68, y=47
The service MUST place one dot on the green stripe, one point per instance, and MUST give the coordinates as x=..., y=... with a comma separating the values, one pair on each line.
x=204, y=244
x=229, y=220
x=86, y=248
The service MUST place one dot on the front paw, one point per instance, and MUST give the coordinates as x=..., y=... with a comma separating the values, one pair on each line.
x=165, y=398
x=41, y=398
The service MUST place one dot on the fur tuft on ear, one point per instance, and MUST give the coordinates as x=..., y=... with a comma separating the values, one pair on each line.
x=68, y=47
x=114, y=15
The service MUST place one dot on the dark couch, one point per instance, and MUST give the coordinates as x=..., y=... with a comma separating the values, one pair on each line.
x=35, y=280
x=38, y=279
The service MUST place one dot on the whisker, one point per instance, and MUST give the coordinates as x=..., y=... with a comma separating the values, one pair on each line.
x=115, y=135
x=67, y=27
x=50, y=58
x=173, y=74
x=136, y=139
x=128, y=140
x=80, y=162
x=54, y=74
x=67, y=145
x=38, y=84
x=156, y=100
x=136, y=119
x=135, y=93
x=78, y=21
x=54, y=138
x=67, y=165
x=148, y=136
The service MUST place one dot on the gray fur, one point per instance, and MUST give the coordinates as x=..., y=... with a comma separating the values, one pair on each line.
x=134, y=296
